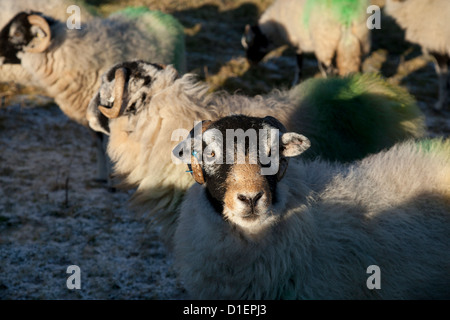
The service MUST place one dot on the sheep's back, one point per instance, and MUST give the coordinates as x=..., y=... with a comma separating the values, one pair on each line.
x=425, y=22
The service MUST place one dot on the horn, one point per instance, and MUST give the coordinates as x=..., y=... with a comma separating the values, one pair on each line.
x=119, y=87
x=195, y=166
x=39, y=21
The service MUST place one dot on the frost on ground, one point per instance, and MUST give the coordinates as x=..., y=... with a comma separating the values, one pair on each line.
x=53, y=215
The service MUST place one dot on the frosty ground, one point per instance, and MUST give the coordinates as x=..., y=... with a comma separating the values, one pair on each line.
x=52, y=212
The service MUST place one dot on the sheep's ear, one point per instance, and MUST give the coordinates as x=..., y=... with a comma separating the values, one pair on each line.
x=42, y=34
x=293, y=144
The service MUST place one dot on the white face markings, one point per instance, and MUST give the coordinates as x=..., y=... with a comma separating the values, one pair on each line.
x=237, y=159
x=213, y=153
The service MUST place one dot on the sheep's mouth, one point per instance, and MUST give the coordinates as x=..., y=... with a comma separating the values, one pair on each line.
x=250, y=216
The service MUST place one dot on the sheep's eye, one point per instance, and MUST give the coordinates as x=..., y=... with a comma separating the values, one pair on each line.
x=211, y=156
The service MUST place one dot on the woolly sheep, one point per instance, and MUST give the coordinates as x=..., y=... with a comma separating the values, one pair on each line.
x=54, y=8
x=314, y=233
x=425, y=24
x=345, y=118
x=69, y=63
x=330, y=29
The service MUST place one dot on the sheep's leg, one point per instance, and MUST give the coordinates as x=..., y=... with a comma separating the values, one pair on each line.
x=326, y=70
x=298, y=68
x=442, y=66
x=104, y=167
x=322, y=69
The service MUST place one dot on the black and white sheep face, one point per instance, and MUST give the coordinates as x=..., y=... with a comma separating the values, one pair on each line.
x=26, y=32
x=255, y=43
x=240, y=160
x=125, y=91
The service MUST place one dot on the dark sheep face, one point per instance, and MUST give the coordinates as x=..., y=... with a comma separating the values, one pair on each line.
x=240, y=160
x=16, y=36
x=255, y=43
x=139, y=76
x=13, y=37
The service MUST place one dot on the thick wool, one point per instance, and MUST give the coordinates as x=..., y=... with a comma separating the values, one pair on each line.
x=335, y=220
x=71, y=68
x=367, y=115
x=168, y=33
x=141, y=143
x=325, y=28
x=344, y=11
x=424, y=22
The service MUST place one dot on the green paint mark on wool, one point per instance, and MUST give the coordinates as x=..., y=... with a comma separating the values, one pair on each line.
x=170, y=24
x=364, y=113
x=345, y=11
x=165, y=19
x=435, y=145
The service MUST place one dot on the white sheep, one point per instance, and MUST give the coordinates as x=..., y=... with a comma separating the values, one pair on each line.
x=319, y=232
x=331, y=30
x=426, y=23
x=53, y=8
x=68, y=63
x=150, y=102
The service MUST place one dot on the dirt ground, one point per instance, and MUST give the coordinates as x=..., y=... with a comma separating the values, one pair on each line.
x=53, y=214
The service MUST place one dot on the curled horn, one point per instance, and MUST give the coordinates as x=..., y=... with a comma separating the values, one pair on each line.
x=37, y=20
x=119, y=88
x=195, y=166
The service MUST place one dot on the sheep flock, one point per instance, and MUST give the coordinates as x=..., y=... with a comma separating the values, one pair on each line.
x=95, y=119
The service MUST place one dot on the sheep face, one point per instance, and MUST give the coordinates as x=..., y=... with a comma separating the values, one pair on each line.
x=26, y=32
x=124, y=91
x=240, y=161
x=255, y=43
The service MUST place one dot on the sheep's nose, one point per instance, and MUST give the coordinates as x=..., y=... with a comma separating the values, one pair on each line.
x=250, y=199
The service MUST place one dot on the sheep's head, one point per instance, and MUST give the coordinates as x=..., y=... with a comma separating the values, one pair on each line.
x=240, y=161
x=255, y=43
x=125, y=90
x=26, y=32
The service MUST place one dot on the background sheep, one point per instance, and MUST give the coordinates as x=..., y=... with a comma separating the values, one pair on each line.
x=330, y=29
x=425, y=24
x=52, y=8
x=313, y=234
x=362, y=114
x=68, y=63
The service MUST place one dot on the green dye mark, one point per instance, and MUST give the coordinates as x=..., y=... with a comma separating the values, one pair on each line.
x=345, y=11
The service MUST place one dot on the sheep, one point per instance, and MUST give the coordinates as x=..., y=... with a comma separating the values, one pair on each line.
x=331, y=29
x=68, y=63
x=245, y=233
x=54, y=8
x=425, y=24
x=346, y=118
